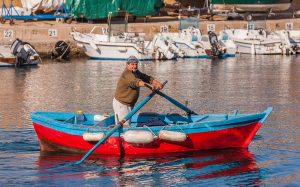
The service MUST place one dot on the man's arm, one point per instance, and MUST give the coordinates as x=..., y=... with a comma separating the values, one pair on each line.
x=155, y=84
x=149, y=79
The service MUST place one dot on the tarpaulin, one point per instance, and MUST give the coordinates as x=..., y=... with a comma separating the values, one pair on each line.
x=92, y=9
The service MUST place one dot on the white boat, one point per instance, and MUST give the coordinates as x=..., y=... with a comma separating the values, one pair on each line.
x=123, y=45
x=229, y=44
x=116, y=43
x=191, y=42
x=187, y=47
x=259, y=41
x=6, y=58
x=249, y=6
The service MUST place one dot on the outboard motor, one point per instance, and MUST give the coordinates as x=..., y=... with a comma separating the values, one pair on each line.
x=215, y=45
x=24, y=53
x=61, y=51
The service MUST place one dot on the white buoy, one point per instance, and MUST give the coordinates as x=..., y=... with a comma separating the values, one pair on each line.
x=79, y=45
x=252, y=49
x=172, y=136
x=93, y=137
x=138, y=136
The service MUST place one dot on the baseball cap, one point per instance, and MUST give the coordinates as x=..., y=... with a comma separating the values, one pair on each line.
x=132, y=59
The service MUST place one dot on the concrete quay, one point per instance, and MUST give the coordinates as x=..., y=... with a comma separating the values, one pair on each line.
x=44, y=34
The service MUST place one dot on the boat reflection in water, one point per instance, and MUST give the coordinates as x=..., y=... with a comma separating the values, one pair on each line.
x=229, y=166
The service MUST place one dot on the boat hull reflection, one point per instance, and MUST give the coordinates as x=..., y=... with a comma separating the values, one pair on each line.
x=200, y=165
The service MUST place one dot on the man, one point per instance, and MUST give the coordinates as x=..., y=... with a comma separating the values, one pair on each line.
x=128, y=89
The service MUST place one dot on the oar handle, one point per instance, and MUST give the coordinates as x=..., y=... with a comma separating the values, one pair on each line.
x=150, y=87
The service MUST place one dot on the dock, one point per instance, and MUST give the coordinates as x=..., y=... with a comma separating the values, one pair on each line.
x=44, y=34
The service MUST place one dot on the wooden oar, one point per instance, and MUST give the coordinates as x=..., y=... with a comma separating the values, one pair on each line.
x=118, y=125
x=175, y=102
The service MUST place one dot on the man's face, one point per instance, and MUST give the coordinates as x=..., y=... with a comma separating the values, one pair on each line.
x=132, y=66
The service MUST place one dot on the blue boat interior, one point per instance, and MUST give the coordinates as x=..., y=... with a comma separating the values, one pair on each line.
x=148, y=119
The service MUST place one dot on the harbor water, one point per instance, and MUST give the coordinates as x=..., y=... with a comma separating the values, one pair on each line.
x=245, y=83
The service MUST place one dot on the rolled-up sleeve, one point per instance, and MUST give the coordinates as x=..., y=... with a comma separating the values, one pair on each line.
x=134, y=83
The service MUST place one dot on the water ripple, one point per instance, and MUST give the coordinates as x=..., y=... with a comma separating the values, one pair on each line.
x=248, y=83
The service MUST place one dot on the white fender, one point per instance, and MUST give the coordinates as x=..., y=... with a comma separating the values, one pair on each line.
x=156, y=54
x=100, y=117
x=138, y=136
x=92, y=137
x=252, y=49
x=172, y=136
x=79, y=44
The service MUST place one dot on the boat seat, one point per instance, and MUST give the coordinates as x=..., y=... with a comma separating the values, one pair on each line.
x=154, y=121
x=106, y=122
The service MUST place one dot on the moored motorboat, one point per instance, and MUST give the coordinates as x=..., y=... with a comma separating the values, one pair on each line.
x=259, y=41
x=249, y=5
x=149, y=133
x=116, y=43
x=191, y=42
x=123, y=45
x=6, y=58
x=18, y=54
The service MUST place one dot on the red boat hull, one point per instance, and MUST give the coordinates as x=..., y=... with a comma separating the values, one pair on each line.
x=237, y=137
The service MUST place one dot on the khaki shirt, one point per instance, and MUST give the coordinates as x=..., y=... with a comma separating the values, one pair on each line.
x=128, y=89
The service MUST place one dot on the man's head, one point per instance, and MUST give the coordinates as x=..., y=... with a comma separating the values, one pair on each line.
x=132, y=63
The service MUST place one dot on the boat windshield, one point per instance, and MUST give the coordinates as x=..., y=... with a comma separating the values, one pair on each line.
x=189, y=18
x=117, y=25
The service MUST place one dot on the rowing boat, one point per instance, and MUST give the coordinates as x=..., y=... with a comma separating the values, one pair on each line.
x=149, y=133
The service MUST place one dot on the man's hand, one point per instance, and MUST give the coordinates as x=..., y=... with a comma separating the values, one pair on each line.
x=157, y=85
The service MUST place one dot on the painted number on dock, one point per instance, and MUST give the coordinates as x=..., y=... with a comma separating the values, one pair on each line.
x=105, y=30
x=164, y=28
x=250, y=26
x=211, y=27
x=289, y=26
x=8, y=33
x=52, y=33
